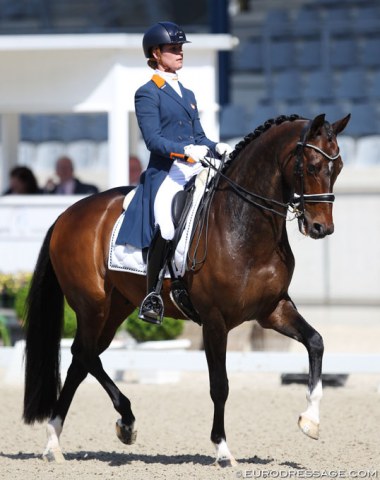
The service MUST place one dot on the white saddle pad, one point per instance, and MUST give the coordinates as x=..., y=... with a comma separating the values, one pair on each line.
x=127, y=258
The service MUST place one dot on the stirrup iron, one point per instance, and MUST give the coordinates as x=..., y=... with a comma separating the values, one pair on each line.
x=152, y=309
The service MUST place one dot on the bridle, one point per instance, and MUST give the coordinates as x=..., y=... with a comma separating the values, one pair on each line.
x=296, y=205
x=299, y=200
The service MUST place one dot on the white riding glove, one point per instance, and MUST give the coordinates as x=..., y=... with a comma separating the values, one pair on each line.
x=222, y=148
x=196, y=152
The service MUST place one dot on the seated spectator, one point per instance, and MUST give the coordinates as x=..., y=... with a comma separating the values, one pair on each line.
x=135, y=170
x=22, y=182
x=68, y=183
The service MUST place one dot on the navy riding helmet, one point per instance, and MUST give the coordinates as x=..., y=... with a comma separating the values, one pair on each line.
x=162, y=33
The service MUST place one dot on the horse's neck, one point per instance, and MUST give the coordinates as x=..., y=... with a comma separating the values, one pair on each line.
x=258, y=172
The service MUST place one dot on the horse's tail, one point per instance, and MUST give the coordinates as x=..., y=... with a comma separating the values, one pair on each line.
x=44, y=319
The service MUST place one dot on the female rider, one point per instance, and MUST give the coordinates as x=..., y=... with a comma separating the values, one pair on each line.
x=168, y=118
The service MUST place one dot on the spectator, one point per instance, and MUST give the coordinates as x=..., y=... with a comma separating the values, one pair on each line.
x=22, y=182
x=68, y=183
x=135, y=170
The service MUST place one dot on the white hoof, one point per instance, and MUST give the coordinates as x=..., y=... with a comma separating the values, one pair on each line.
x=225, y=462
x=53, y=452
x=224, y=457
x=53, y=455
x=308, y=427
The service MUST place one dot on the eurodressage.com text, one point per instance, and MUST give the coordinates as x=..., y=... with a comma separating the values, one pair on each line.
x=308, y=474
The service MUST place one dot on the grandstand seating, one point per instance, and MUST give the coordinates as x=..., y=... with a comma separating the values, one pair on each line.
x=307, y=22
x=261, y=113
x=282, y=54
x=310, y=54
x=343, y=53
x=311, y=57
x=364, y=120
x=374, y=87
x=352, y=85
x=319, y=86
x=249, y=56
x=367, y=19
x=287, y=86
x=369, y=54
x=233, y=121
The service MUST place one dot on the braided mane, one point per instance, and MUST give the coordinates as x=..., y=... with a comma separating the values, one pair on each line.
x=258, y=131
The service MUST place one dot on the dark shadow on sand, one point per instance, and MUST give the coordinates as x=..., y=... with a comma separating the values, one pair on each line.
x=116, y=459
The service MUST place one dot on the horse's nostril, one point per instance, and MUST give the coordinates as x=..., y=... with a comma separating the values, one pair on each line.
x=321, y=230
x=318, y=227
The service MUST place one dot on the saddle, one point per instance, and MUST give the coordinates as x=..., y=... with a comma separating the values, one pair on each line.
x=181, y=205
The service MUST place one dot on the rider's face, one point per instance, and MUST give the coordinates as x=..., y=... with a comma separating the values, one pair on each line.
x=169, y=57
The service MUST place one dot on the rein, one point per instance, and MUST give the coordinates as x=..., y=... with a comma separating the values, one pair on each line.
x=297, y=204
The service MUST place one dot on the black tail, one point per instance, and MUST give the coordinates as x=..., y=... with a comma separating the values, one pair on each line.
x=44, y=321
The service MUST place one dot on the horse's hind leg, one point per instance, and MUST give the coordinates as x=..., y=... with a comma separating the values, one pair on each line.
x=215, y=343
x=286, y=320
x=119, y=311
x=86, y=360
x=75, y=375
x=125, y=426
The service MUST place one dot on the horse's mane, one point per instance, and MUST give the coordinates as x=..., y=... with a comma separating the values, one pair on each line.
x=258, y=131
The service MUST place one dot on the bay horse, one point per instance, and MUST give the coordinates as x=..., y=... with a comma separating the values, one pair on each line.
x=287, y=163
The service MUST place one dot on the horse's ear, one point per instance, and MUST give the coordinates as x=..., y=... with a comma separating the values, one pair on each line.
x=341, y=124
x=316, y=125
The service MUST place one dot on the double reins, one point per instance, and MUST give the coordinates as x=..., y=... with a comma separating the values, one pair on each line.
x=297, y=203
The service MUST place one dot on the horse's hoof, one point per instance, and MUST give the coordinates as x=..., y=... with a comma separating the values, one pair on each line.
x=308, y=427
x=126, y=434
x=225, y=462
x=53, y=455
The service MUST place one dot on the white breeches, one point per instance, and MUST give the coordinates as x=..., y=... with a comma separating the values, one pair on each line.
x=179, y=174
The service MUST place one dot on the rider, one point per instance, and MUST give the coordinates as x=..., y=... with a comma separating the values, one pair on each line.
x=168, y=118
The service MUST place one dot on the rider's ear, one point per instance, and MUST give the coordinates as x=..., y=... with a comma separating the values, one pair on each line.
x=341, y=124
x=316, y=126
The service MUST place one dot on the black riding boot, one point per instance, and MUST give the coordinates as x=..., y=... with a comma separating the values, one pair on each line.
x=152, y=307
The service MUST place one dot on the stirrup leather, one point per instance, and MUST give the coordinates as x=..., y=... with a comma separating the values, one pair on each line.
x=152, y=309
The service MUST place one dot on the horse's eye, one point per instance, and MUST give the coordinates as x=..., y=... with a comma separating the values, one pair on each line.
x=312, y=169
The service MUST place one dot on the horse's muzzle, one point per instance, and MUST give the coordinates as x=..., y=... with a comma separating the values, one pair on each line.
x=315, y=230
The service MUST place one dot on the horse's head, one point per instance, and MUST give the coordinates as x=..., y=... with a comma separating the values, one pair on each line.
x=317, y=165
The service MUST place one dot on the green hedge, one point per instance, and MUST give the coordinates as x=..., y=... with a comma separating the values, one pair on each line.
x=70, y=321
x=142, y=331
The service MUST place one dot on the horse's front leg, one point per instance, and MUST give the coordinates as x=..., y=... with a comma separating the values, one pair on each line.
x=215, y=344
x=286, y=320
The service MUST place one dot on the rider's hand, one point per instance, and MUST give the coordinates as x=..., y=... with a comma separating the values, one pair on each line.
x=196, y=152
x=223, y=148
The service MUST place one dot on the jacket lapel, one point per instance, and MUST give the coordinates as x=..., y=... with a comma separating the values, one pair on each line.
x=168, y=90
